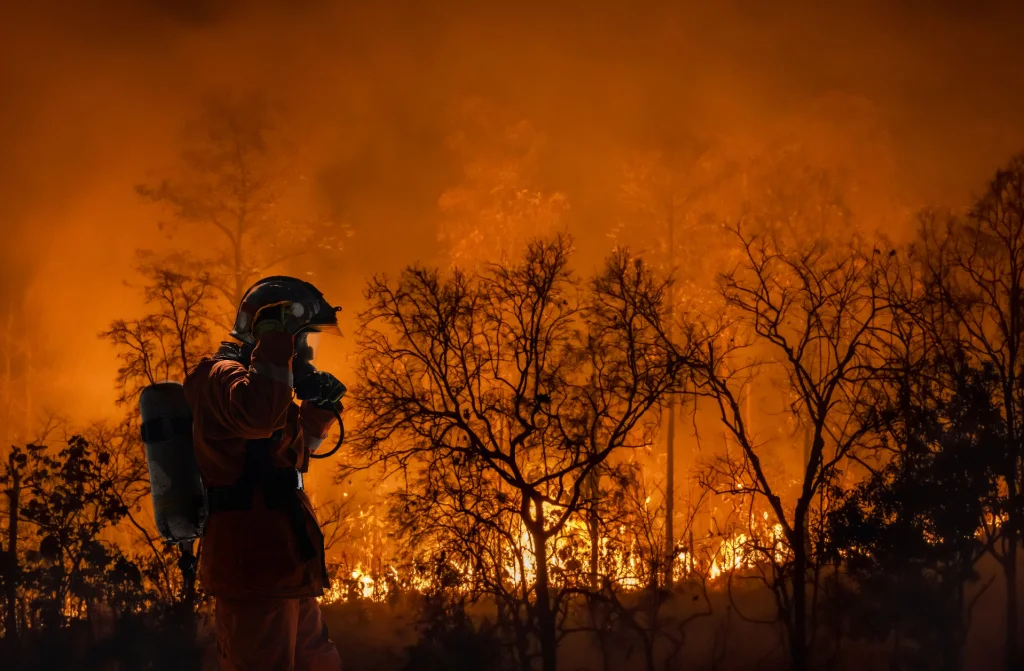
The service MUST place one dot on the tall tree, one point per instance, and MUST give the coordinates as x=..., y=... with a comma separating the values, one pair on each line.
x=975, y=274
x=479, y=388
x=238, y=183
x=169, y=341
x=69, y=504
x=804, y=313
x=164, y=344
x=912, y=533
x=669, y=198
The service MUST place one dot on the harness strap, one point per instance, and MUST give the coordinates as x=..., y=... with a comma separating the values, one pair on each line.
x=280, y=487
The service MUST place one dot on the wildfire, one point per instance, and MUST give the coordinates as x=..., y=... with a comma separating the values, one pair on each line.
x=359, y=584
x=714, y=558
x=569, y=556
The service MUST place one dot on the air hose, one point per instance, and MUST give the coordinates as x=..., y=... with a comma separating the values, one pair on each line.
x=341, y=436
x=308, y=389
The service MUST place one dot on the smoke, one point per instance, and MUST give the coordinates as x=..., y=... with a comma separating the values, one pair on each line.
x=919, y=101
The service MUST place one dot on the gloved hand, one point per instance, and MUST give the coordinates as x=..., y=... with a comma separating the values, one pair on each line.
x=320, y=387
x=275, y=317
x=331, y=389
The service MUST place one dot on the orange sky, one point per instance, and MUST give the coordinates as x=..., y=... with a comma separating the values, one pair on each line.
x=919, y=100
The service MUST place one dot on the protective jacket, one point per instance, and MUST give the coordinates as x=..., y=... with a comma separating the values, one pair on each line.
x=252, y=442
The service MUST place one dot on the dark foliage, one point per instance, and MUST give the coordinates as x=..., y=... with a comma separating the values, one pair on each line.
x=451, y=640
x=911, y=534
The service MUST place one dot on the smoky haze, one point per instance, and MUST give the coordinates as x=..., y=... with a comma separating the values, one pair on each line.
x=919, y=101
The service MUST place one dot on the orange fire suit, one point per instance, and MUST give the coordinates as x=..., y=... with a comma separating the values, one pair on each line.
x=263, y=560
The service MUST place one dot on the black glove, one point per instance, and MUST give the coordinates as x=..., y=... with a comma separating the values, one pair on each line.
x=321, y=388
x=331, y=389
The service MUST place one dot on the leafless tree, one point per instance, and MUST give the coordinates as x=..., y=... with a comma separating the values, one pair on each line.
x=669, y=198
x=163, y=345
x=236, y=183
x=496, y=394
x=806, y=314
x=168, y=342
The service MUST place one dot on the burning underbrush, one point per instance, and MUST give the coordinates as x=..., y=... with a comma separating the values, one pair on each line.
x=624, y=558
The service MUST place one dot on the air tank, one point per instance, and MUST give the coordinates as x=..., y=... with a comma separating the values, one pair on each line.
x=179, y=499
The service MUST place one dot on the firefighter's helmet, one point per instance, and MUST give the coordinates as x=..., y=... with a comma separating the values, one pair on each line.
x=308, y=305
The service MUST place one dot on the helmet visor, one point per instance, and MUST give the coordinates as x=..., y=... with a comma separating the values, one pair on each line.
x=324, y=318
x=329, y=329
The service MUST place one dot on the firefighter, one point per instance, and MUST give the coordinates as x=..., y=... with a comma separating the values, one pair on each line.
x=263, y=551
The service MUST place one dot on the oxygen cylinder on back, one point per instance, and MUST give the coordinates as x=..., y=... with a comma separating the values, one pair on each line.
x=179, y=499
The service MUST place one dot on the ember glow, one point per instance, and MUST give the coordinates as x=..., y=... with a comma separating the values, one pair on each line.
x=712, y=559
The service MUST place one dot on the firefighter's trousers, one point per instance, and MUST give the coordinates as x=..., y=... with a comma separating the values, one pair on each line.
x=265, y=634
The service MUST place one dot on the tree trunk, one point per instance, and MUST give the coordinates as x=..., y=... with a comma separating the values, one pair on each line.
x=1011, y=406
x=11, y=590
x=670, y=439
x=593, y=497
x=545, y=619
x=593, y=527
x=1012, y=623
x=670, y=493
x=648, y=642
x=798, y=624
x=1013, y=523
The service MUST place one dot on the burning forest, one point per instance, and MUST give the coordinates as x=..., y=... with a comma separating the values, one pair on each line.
x=650, y=337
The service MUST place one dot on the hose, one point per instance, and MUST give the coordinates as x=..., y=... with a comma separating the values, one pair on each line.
x=341, y=436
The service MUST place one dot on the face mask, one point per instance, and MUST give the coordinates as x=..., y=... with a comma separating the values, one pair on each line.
x=305, y=354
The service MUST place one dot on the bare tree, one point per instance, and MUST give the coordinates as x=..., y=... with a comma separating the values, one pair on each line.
x=669, y=199
x=167, y=343
x=480, y=390
x=807, y=315
x=163, y=345
x=236, y=183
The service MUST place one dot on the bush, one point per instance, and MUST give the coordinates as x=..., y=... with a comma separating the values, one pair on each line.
x=451, y=641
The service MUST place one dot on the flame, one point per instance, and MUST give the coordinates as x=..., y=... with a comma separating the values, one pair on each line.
x=360, y=584
x=713, y=558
